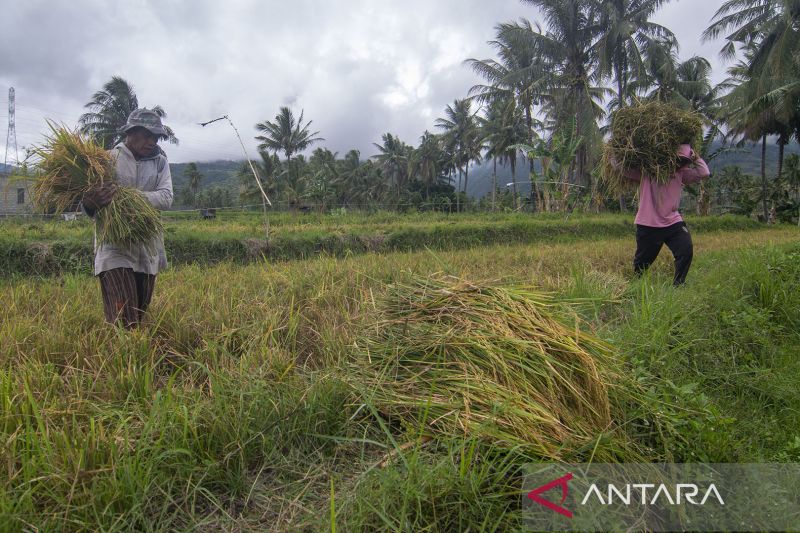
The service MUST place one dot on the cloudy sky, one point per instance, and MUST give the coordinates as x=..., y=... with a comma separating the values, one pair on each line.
x=359, y=68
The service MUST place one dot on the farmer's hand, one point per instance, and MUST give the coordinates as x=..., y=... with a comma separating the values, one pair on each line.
x=99, y=197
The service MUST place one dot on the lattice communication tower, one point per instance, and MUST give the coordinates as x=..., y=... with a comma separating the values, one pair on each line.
x=11, y=136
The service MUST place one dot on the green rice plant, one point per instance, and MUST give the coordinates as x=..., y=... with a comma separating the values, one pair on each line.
x=646, y=137
x=451, y=485
x=71, y=165
x=498, y=363
x=128, y=220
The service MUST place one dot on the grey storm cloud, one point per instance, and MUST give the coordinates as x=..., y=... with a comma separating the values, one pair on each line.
x=358, y=68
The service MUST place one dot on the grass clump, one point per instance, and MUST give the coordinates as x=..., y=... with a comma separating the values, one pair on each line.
x=454, y=358
x=452, y=485
x=646, y=137
x=70, y=165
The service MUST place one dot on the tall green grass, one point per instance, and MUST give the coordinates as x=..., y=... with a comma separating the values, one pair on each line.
x=229, y=409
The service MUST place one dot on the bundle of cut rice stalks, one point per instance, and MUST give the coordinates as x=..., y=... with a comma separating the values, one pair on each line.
x=646, y=137
x=69, y=166
x=451, y=358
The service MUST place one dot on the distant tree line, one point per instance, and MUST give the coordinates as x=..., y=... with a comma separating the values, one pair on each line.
x=551, y=86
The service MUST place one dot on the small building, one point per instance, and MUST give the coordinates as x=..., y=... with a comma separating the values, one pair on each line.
x=15, y=195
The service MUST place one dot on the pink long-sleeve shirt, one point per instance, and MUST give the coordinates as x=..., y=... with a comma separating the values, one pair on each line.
x=658, y=204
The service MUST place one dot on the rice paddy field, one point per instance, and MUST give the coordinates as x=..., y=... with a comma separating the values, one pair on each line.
x=386, y=388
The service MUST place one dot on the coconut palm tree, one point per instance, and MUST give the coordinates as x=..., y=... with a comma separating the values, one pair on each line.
x=767, y=24
x=426, y=160
x=492, y=133
x=503, y=127
x=286, y=134
x=350, y=187
x=573, y=66
x=686, y=84
x=108, y=112
x=625, y=29
x=744, y=121
x=193, y=179
x=461, y=133
x=768, y=32
x=519, y=76
x=267, y=169
x=394, y=159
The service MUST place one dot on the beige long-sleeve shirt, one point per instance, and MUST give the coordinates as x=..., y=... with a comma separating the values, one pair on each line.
x=152, y=177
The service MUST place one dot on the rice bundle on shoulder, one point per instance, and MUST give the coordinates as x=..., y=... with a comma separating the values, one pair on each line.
x=69, y=166
x=646, y=137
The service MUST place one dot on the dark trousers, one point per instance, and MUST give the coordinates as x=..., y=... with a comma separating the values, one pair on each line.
x=126, y=295
x=678, y=240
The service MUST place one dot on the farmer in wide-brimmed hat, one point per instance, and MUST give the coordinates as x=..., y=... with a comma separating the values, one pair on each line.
x=128, y=276
x=658, y=220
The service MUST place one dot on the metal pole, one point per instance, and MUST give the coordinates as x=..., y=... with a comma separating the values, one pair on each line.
x=252, y=169
x=244, y=150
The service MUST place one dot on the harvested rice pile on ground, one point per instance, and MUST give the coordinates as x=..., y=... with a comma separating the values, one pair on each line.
x=646, y=137
x=451, y=358
x=69, y=166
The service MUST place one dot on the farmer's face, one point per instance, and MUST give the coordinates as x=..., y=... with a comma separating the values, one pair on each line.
x=141, y=142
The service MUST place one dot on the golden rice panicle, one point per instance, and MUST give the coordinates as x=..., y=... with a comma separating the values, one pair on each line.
x=69, y=164
x=452, y=358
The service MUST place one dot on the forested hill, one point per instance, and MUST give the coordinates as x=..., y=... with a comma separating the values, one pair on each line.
x=215, y=173
x=224, y=173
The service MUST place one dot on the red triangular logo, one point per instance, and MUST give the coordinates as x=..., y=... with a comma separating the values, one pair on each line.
x=560, y=482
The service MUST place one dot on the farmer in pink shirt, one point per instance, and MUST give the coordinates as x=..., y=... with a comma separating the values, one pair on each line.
x=658, y=221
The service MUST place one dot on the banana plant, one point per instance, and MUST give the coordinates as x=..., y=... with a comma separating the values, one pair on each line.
x=558, y=157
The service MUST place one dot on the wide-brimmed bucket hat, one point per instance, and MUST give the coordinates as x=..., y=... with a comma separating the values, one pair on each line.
x=147, y=119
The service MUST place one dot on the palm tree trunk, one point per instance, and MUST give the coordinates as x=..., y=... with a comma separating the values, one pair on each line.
x=578, y=179
x=458, y=192
x=466, y=177
x=565, y=185
x=494, y=184
x=529, y=122
x=399, y=180
x=621, y=98
x=514, y=178
x=781, y=146
x=764, y=177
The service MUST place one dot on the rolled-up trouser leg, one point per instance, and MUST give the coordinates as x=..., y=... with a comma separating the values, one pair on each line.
x=145, y=283
x=118, y=287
